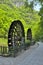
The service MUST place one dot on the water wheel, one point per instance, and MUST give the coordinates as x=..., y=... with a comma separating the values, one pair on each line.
x=16, y=35
x=29, y=34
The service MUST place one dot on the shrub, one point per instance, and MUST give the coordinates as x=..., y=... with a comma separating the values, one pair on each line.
x=27, y=43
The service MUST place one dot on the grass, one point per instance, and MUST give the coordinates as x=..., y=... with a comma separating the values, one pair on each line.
x=3, y=42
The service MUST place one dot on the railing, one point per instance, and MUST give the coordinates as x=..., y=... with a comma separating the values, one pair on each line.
x=13, y=50
x=4, y=50
x=10, y=51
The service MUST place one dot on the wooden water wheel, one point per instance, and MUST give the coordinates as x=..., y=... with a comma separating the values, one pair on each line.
x=29, y=34
x=15, y=35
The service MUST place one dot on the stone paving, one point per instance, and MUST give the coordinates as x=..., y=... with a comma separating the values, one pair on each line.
x=32, y=56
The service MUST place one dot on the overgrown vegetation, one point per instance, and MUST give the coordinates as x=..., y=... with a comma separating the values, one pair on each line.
x=9, y=13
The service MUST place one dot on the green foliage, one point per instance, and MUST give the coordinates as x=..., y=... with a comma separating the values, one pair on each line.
x=28, y=43
x=3, y=42
x=9, y=13
x=38, y=29
x=26, y=3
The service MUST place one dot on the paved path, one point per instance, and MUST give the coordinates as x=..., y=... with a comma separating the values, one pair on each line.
x=32, y=56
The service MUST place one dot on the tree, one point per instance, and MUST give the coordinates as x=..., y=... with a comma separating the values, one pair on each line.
x=26, y=3
x=40, y=34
